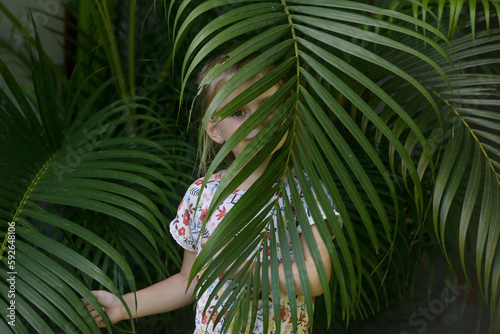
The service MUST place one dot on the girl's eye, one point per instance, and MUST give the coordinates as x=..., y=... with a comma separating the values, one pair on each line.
x=239, y=113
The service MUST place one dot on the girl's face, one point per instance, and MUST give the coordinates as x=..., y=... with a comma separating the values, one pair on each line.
x=220, y=132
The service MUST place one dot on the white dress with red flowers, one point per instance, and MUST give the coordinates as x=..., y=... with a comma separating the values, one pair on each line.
x=185, y=229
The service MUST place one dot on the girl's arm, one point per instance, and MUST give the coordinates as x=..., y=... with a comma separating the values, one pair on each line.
x=167, y=295
x=312, y=273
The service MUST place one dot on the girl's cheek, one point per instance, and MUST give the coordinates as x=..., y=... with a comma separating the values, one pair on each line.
x=271, y=116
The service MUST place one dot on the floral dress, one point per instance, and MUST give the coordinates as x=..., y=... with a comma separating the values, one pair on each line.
x=185, y=229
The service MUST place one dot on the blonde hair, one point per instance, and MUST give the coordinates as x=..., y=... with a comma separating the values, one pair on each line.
x=209, y=147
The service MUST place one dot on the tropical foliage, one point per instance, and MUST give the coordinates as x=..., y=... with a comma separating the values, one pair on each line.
x=392, y=108
x=91, y=172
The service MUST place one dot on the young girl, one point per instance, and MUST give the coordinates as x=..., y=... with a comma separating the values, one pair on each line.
x=174, y=293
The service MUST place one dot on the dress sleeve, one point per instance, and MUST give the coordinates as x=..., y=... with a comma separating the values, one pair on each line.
x=311, y=220
x=180, y=227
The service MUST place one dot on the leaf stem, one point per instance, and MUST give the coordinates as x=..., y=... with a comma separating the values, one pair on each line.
x=297, y=89
x=25, y=199
x=471, y=131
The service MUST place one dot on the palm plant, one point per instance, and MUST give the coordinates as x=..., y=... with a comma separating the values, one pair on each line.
x=87, y=183
x=379, y=105
x=394, y=115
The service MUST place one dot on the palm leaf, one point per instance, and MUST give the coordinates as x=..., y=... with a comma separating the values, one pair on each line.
x=314, y=79
x=53, y=174
x=468, y=156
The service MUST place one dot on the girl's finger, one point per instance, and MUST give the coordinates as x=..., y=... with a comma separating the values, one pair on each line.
x=95, y=315
x=100, y=322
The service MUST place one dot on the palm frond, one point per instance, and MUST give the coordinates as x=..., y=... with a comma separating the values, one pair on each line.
x=455, y=12
x=310, y=61
x=466, y=185
x=58, y=186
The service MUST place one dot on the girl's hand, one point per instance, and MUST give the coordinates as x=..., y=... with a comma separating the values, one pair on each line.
x=110, y=304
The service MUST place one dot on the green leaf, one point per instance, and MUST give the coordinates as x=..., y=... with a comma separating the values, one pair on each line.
x=360, y=52
x=284, y=242
x=444, y=174
x=229, y=33
x=348, y=156
x=470, y=199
